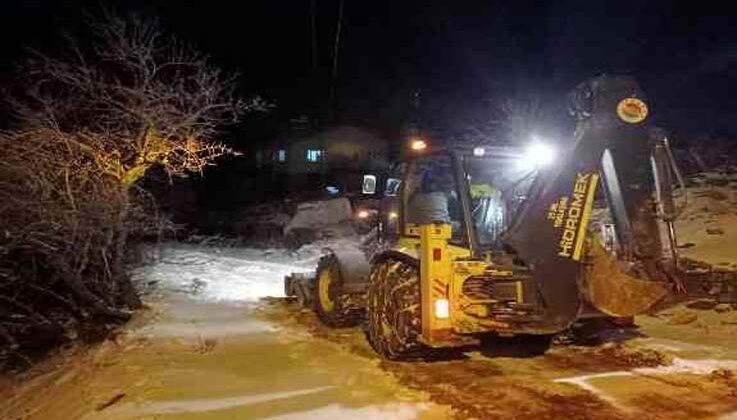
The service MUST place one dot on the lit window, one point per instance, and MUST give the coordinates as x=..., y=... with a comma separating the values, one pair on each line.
x=281, y=155
x=314, y=155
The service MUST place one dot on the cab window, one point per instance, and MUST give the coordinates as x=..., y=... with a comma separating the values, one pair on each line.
x=430, y=195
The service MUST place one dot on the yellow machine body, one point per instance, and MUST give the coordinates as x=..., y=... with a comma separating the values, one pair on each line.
x=449, y=314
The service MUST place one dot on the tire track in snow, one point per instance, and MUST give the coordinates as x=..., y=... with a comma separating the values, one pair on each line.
x=205, y=405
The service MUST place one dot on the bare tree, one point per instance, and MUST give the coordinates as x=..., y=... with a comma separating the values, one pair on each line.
x=90, y=124
x=132, y=98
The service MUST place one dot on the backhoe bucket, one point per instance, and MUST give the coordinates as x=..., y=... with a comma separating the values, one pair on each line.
x=614, y=292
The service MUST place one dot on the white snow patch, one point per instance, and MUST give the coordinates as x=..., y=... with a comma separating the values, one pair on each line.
x=696, y=367
x=679, y=346
x=214, y=274
x=320, y=214
x=396, y=411
x=211, y=404
x=666, y=347
x=582, y=382
x=205, y=330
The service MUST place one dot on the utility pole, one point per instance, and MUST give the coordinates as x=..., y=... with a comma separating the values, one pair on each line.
x=313, y=33
x=334, y=73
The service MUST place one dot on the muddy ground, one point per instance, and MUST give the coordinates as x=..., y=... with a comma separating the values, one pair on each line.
x=193, y=360
x=660, y=370
x=210, y=347
x=189, y=358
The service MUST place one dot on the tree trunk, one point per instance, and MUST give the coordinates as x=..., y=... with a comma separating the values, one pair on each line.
x=98, y=305
x=126, y=292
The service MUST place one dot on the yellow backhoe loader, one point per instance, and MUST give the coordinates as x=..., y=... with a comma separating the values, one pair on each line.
x=488, y=243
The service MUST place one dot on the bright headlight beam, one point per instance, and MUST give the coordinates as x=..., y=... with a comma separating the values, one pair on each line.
x=538, y=155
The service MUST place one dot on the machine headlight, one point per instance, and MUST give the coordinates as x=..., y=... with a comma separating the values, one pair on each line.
x=442, y=309
x=537, y=155
x=540, y=154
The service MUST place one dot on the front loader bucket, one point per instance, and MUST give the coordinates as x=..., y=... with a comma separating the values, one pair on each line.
x=614, y=292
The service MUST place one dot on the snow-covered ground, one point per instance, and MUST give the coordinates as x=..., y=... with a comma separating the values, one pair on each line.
x=223, y=274
x=205, y=349
x=212, y=273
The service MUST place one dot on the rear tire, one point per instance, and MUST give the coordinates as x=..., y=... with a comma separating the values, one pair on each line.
x=331, y=305
x=394, y=318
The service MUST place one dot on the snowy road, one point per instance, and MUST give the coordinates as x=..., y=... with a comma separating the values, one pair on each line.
x=209, y=348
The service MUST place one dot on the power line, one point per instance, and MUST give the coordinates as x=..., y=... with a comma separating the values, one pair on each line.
x=336, y=46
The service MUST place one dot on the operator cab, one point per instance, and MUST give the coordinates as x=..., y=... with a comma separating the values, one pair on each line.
x=492, y=185
x=430, y=195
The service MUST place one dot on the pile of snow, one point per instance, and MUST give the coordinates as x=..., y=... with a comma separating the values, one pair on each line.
x=320, y=214
x=320, y=220
x=218, y=274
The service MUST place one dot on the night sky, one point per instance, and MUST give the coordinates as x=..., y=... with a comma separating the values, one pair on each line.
x=457, y=53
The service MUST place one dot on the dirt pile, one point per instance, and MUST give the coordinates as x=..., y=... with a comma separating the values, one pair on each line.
x=683, y=317
x=606, y=357
x=727, y=378
x=707, y=228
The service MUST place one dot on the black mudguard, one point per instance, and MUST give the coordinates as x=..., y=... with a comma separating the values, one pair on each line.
x=354, y=268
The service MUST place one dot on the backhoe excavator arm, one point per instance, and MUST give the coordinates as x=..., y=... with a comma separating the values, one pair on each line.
x=614, y=152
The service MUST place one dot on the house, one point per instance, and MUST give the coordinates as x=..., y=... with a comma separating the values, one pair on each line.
x=335, y=156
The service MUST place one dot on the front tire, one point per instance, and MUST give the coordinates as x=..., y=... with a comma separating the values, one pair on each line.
x=394, y=318
x=330, y=304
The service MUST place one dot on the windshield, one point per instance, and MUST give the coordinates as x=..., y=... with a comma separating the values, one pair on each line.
x=430, y=196
x=498, y=186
